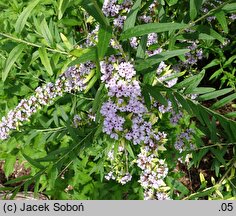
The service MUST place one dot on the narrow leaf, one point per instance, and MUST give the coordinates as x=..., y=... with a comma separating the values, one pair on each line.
x=230, y=8
x=33, y=162
x=195, y=5
x=62, y=6
x=202, y=90
x=231, y=115
x=46, y=32
x=21, y=21
x=183, y=102
x=224, y=101
x=220, y=16
x=12, y=58
x=66, y=42
x=104, y=37
x=97, y=98
x=142, y=47
x=131, y=17
x=156, y=94
x=215, y=94
x=218, y=154
x=213, y=63
x=190, y=83
x=93, y=9
x=19, y=179
x=91, y=83
x=209, y=31
x=217, y=73
x=150, y=28
x=45, y=60
x=83, y=55
x=9, y=165
x=146, y=63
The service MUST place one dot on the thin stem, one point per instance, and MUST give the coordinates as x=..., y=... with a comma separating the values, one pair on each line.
x=52, y=129
x=31, y=44
x=217, y=144
x=2, y=56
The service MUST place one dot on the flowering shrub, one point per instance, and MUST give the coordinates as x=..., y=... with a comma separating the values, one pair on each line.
x=116, y=96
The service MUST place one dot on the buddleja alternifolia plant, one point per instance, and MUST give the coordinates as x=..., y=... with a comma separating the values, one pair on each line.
x=129, y=99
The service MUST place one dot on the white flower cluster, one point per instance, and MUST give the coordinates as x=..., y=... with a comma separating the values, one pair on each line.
x=154, y=170
x=70, y=81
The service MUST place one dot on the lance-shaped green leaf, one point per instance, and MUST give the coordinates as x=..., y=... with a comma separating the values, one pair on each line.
x=21, y=21
x=12, y=58
x=83, y=55
x=195, y=5
x=229, y=8
x=88, y=54
x=150, y=28
x=220, y=16
x=45, y=60
x=224, y=101
x=155, y=93
x=67, y=43
x=91, y=82
x=131, y=17
x=215, y=94
x=231, y=115
x=142, y=47
x=33, y=162
x=104, y=37
x=62, y=6
x=9, y=165
x=46, y=32
x=190, y=83
x=202, y=90
x=213, y=63
x=146, y=63
x=91, y=6
x=98, y=97
x=209, y=31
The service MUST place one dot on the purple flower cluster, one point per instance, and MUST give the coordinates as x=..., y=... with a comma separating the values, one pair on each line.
x=145, y=18
x=92, y=37
x=233, y=17
x=194, y=55
x=123, y=114
x=175, y=117
x=182, y=139
x=113, y=123
x=154, y=52
x=119, y=21
x=70, y=81
x=125, y=99
x=149, y=14
x=124, y=92
x=152, y=39
x=112, y=8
